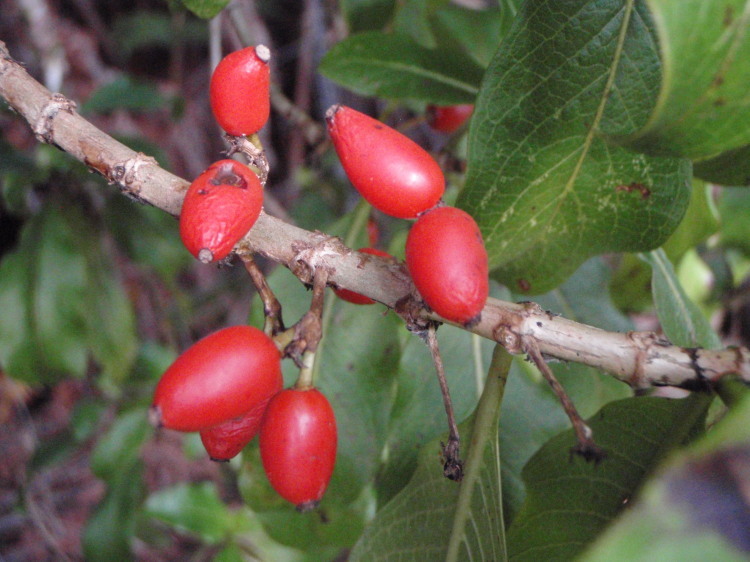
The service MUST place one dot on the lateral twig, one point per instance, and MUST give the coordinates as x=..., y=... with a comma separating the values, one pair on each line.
x=453, y=466
x=584, y=436
x=274, y=323
x=309, y=331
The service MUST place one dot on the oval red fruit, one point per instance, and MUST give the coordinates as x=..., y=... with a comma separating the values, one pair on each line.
x=239, y=91
x=392, y=172
x=220, y=207
x=298, y=445
x=448, y=118
x=223, y=442
x=220, y=377
x=356, y=298
x=447, y=261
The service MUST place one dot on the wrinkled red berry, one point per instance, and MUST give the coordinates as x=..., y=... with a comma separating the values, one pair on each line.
x=223, y=442
x=448, y=118
x=392, y=172
x=356, y=298
x=220, y=207
x=221, y=377
x=446, y=258
x=240, y=91
x=298, y=445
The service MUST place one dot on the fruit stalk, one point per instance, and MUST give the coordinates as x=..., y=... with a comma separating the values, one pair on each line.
x=452, y=464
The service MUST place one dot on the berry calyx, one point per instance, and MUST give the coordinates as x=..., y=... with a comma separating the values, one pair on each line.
x=352, y=296
x=448, y=118
x=446, y=258
x=392, y=172
x=298, y=445
x=223, y=376
x=220, y=207
x=239, y=91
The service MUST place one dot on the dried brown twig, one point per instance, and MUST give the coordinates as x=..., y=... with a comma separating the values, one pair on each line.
x=640, y=359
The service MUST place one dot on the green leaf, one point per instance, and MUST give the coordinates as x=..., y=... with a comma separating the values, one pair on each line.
x=631, y=286
x=694, y=509
x=110, y=319
x=109, y=530
x=734, y=210
x=434, y=518
x=205, y=9
x=417, y=413
x=531, y=413
x=546, y=190
x=121, y=444
x=570, y=501
x=705, y=49
x=149, y=236
x=682, y=321
x=42, y=291
x=412, y=20
x=193, y=508
x=124, y=93
x=729, y=168
x=475, y=32
x=394, y=66
x=367, y=15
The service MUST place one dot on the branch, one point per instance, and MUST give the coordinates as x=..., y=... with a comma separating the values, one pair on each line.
x=640, y=359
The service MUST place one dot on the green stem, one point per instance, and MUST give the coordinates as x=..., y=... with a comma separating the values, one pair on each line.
x=485, y=427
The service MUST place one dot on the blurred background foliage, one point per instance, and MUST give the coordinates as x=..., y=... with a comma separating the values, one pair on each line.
x=98, y=296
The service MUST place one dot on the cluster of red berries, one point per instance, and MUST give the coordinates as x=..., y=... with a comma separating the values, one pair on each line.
x=228, y=385
x=445, y=252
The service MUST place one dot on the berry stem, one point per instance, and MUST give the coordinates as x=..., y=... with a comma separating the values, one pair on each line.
x=252, y=148
x=309, y=332
x=274, y=323
x=453, y=465
x=584, y=436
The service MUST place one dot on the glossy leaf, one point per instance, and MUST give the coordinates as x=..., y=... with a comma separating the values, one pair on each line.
x=123, y=93
x=110, y=529
x=193, y=508
x=205, y=9
x=705, y=52
x=531, y=413
x=670, y=520
x=631, y=285
x=61, y=301
x=434, y=518
x=42, y=289
x=475, y=32
x=367, y=15
x=570, y=501
x=682, y=321
x=547, y=191
x=729, y=168
x=116, y=460
x=734, y=210
x=394, y=66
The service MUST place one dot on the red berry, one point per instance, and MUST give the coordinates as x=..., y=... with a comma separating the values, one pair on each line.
x=373, y=232
x=240, y=91
x=222, y=376
x=448, y=118
x=298, y=445
x=220, y=207
x=447, y=261
x=224, y=441
x=356, y=298
x=392, y=172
